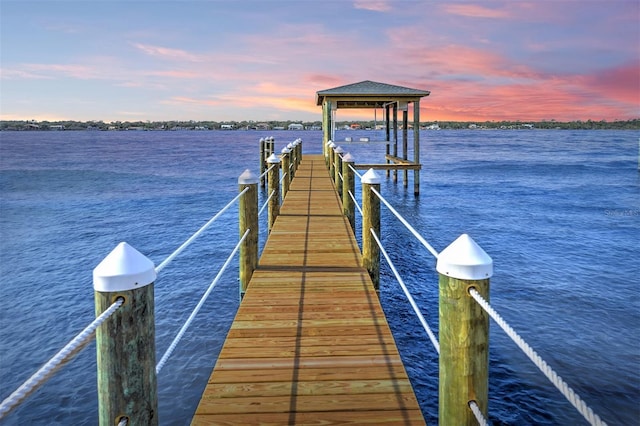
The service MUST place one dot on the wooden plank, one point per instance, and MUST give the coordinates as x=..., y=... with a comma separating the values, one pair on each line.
x=310, y=343
x=407, y=417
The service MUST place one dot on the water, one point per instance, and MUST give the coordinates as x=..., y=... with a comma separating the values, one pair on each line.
x=558, y=211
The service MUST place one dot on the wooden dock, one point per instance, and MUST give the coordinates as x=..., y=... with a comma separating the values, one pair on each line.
x=310, y=343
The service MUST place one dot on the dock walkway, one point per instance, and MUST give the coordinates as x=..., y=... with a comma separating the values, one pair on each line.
x=310, y=343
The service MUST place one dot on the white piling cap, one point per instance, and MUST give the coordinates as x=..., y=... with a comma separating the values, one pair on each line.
x=329, y=141
x=464, y=259
x=247, y=178
x=331, y=144
x=261, y=139
x=125, y=268
x=285, y=150
x=290, y=146
x=273, y=159
x=348, y=158
x=339, y=150
x=371, y=177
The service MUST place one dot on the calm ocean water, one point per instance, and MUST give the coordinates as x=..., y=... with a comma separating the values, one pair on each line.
x=558, y=211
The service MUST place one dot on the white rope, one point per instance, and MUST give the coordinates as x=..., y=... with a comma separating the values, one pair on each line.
x=266, y=203
x=186, y=325
x=266, y=171
x=478, y=414
x=405, y=223
x=557, y=381
x=282, y=178
x=426, y=327
x=198, y=233
x=64, y=355
x=356, y=203
x=355, y=171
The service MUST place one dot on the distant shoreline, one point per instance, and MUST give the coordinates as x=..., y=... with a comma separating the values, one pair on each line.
x=70, y=125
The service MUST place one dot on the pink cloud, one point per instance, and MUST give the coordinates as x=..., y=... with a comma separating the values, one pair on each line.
x=621, y=83
x=475, y=11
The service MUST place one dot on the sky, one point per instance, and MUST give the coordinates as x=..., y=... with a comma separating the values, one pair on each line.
x=234, y=60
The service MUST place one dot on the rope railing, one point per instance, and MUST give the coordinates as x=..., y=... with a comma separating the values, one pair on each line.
x=266, y=203
x=407, y=225
x=64, y=355
x=197, y=233
x=195, y=311
x=478, y=414
x=355, y=203
x=266, y=172
x=542, y=365
x=355, y=172
x=413, y=303
x=284, y=175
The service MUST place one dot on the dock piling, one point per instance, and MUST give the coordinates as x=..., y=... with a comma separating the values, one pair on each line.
x=464, y=331
x=125, y=342
x=348, y=186
x=338, y=151
x=273, y=162
x=248, y=219
x=371, y=221
x=286, y=170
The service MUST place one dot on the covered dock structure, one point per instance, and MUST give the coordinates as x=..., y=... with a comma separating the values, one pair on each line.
x=392, y=99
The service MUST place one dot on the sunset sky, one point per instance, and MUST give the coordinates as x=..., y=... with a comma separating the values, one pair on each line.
x=264, y=60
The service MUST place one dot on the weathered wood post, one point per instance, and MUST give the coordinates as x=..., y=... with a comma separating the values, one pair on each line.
x=338, y=168
x=272, y=145
x=331, y=159
x=464, y=331
x=125, y=342
x=273, y=162
x=292, y=149
x=348, y=185
x=286, y=170
x=263, y=157
x=248, y=219
x=371, y=220
x=298, y=146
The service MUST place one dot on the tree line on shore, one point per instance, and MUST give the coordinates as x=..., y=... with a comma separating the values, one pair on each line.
x=33, y=125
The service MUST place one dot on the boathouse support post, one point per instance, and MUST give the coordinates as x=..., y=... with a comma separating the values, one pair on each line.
x=273, y=162
x=416, y=146
x=125, y=342
x=371, y=221
x=405, y=142
x=272, y=146
x=348, y=186
x=395, y=138
x=263, y=157
x=286, y=170
x=464, y=331
x=338, y=169
x=248, y=220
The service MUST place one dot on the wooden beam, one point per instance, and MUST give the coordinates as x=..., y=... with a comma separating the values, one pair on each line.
x=407, y=166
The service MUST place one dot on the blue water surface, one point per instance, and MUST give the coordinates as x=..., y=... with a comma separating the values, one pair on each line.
x=558, y=211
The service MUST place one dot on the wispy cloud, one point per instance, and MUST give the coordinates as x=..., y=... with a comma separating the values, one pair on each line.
x=373, y=5
x=475, y=11
x=168, y=53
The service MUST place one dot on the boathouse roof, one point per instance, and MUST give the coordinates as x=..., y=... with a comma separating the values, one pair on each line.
x=369, y=94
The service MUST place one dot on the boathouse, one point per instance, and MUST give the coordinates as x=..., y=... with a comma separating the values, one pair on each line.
x=391, y=99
